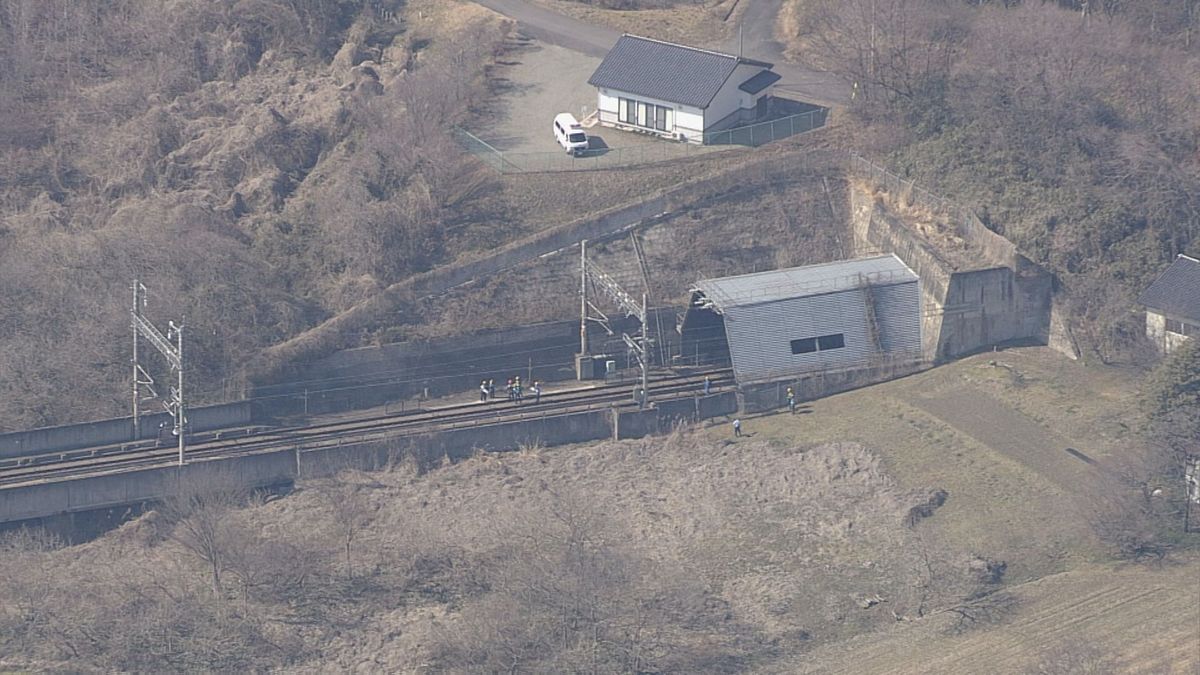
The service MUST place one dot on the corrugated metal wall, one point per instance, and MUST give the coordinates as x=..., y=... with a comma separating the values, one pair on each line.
x=760, y=336
x=898, y=313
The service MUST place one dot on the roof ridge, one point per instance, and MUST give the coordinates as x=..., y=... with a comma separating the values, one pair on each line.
x=824, y=264
x=1184, y=255
x=682, y=46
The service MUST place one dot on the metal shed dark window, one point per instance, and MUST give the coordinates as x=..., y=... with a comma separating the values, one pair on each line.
x=836, y=341
x=804, y=346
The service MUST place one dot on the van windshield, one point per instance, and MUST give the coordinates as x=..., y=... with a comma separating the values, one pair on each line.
x=577, y=137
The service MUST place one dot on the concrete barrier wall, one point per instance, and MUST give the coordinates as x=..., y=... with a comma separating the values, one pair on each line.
x=281, y=467
x=767, y=396
x=119, y=430
x=135, y=487
x=666, y=415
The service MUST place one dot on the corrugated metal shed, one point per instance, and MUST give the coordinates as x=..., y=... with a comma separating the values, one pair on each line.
x=820, y=317
x=1177, y=290
x=666, y=71
x=795, y=282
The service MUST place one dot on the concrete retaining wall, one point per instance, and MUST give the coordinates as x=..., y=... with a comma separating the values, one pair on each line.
x=666, y=415
x=1000, y=297
x=767, y=396
x=371, y=376
x=119, y=430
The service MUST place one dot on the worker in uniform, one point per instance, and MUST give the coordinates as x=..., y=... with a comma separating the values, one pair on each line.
x=791, y=400
x=707, y=385
x=737, y=428
x=508, y=389
x=483, y=391
x=491, y=388
x=537, y=391
x=517, y=389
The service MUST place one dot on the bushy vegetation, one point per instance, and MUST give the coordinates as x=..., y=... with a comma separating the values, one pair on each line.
x=258, y=164
x=1074, y=134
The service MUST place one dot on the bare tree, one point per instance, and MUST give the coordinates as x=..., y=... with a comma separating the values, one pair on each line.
x=199, y=516
x=351, y=511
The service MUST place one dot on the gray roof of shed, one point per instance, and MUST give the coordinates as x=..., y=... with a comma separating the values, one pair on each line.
x=797, y=282
x=666, y=71
x=1177, y=290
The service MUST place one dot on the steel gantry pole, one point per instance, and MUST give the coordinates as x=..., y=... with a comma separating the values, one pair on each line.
x=180, y=417
x=173, y=353
x=645, y=354
x=583, y=304
x=137, y=384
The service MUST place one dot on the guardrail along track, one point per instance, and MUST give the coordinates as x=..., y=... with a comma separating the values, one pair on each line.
x=67, y=464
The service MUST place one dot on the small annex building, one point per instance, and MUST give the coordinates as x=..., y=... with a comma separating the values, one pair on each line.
x=791, y=322
x=1173, y=304
x=676, y=91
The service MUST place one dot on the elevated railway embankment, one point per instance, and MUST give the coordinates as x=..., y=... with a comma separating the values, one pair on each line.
x=121, y=477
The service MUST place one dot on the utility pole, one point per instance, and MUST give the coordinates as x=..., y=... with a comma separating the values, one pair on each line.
x=177, y=394
x=583, y=301
x=137, y=367
x=645, y=353
x=173, y=353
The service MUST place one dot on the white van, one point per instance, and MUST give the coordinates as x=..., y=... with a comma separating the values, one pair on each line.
x=569, y=133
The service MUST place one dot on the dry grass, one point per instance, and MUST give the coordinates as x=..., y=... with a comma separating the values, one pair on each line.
x=1094, y=619
x=767, y=553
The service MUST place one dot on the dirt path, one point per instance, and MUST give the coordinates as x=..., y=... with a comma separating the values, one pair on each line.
x=1115, y=619
x=1000, y=427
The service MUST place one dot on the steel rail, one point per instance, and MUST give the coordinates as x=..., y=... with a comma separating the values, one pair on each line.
x=409, y=423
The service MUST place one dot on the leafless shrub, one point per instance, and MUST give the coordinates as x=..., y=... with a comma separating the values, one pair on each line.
x=199, y=515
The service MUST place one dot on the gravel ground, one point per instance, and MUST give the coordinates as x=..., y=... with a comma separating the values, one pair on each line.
x=535, y=83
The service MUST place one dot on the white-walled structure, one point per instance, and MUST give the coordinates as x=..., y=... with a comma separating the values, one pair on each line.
x=1173, y=304
x=677, y=91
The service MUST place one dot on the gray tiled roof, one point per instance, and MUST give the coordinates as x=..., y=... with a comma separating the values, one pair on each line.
x=666, y=71
x=797, y=282
x=1177, y=290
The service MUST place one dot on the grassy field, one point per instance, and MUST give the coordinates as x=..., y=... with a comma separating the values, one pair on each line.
x=1006, y=500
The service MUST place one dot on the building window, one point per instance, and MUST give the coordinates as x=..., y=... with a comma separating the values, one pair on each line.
x=804, y=346
x=645, y=115
x=835, y=341
x=819, y=344
x=1182, y=328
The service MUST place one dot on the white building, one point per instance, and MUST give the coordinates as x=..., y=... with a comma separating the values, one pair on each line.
x=677, y=91
x=1173, y=304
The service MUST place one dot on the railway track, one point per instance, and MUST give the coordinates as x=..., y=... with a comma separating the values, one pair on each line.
x=75, y=463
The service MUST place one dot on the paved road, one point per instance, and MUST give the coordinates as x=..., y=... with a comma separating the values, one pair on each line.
x=554, y=28
x=758, y=24
x=757, y=38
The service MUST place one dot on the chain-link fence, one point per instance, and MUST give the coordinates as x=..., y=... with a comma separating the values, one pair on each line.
x=755, y=135
x=647, y=153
